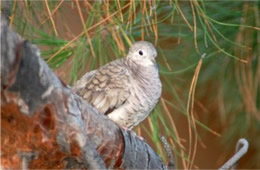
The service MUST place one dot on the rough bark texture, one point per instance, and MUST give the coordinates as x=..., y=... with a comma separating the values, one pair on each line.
x=45, y=125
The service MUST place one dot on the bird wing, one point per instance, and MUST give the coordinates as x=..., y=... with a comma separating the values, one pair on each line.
x=106, y=88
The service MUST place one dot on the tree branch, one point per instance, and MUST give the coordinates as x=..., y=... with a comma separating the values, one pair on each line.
x=40, y=114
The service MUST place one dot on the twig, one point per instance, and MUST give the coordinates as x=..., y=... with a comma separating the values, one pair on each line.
x=167, y=148
x=241, y=150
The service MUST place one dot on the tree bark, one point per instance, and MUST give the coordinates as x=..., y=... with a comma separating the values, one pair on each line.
x=45, y=125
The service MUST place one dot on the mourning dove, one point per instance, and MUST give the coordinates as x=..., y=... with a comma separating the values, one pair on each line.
x=127, y=89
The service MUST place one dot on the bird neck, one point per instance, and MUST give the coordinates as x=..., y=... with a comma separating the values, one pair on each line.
x=141, y=71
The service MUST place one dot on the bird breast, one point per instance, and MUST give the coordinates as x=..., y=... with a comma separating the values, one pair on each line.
x=148, y=88
x=146, y=93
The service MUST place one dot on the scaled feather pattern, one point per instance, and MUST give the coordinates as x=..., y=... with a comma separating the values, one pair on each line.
x=127, y=89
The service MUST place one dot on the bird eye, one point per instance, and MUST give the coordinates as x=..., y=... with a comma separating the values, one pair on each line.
x=140, y=52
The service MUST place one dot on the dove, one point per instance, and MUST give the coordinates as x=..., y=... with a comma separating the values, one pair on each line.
x=126, y=89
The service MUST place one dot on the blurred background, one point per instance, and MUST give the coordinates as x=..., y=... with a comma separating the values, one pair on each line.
x=209, y=100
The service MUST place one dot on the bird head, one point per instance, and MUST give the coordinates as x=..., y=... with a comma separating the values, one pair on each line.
x=143, y=53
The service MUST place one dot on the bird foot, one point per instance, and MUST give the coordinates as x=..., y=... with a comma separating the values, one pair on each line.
x=127, y=129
